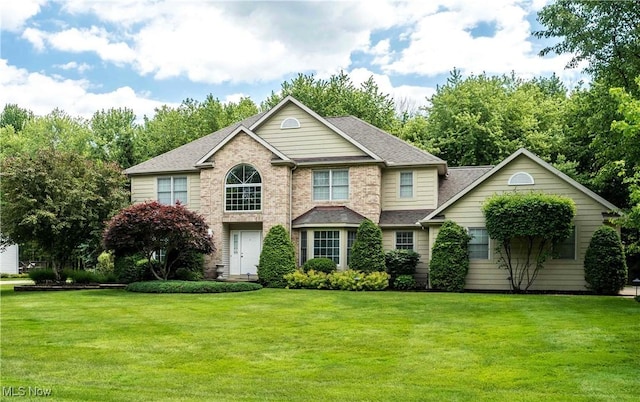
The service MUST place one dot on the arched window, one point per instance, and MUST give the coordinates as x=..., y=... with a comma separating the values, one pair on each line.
x=520, y=179
x=243, y=189
x=290, y=122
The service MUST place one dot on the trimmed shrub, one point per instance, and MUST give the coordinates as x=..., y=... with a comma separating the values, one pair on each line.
x=404, y=282
x=367, y=254
x=450, y=258
x=43, y=275
x=173, y=286
x=105, y=262
x=82, y=277
x=401, y=262
x=605, y=267
x=189, y=265
x=326, y=265
x=277, y=258
x=311, y=279
x=132, y=269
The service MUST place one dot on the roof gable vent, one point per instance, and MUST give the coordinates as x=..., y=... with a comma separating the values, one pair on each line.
x=521, y=179
x=290, y=122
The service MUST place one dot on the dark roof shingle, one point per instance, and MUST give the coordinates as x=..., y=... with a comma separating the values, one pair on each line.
x=338, y=215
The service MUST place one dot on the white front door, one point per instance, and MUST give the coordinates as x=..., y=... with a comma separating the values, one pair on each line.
x=245, y=251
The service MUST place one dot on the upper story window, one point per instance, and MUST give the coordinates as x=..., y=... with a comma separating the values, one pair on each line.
x=332, y=184
x=172, y=189
x=290, y=122
x=406, y=184
x=243, y=189
x=479, y=244
x=521, y=179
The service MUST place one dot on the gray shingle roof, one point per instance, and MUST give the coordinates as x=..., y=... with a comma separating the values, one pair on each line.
x=392, y=149
x=335, y=215
x=403, y=218
x=457, y=179
x=185, y=157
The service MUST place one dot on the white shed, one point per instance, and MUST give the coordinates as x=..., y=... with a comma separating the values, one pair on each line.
x=9, y=260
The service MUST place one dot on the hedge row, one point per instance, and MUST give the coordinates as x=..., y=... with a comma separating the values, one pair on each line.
x=191, y=287
x=339, y=280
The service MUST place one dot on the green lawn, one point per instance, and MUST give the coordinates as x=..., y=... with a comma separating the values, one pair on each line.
x=301, y=345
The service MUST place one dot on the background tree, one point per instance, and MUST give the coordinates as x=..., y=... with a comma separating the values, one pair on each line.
x=605, y=269
x=450, y=258
x=15, y=116
x=367, y=254
x=480, y=120
x=526, y=226
x=151, y=228
x=338, y=96
x=114, y=136
x=604, y=34
x=59, y=200
x=277, y=258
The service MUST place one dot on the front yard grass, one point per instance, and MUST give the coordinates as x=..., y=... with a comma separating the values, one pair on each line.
x=302, y=345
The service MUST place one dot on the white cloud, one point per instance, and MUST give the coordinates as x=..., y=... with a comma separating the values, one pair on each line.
x=14, y=13
x=76, y=40
x=41, y=93
x=72, y=65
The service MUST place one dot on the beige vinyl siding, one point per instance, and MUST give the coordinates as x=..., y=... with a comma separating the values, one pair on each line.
x=311, y=140
x=425, y=189
x=557, y=274
x=421, y=246
x=145, y=188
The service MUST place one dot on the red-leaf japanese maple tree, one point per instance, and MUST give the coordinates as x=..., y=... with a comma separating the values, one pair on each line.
x=151, y=227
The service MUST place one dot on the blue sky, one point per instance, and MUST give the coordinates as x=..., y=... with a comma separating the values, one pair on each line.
x=85, y=55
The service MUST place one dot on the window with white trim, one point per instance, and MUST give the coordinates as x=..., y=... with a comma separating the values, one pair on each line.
x=404, y=241
x=479, y=244
x=566, y=249
x=243, y=189
x=290, y=122
x=332, y=184
x=172, y=189
x=520, y=179
x=406, y=184
x=326, y=243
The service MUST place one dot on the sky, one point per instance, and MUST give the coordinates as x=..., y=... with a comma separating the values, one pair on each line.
x=86, y=55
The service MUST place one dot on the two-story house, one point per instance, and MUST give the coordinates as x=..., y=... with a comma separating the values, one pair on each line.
x=321, y=176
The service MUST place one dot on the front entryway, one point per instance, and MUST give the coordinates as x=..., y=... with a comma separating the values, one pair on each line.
x=245, y=251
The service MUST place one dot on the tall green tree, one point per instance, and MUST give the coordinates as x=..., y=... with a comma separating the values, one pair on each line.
x=479, y=120
x=114, y=136
x=338, y=96
x=604, y=34
x=15, y=116
x=59, y=200
x=367, y=254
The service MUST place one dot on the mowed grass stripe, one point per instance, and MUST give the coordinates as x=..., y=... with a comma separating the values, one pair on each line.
x=320, y=345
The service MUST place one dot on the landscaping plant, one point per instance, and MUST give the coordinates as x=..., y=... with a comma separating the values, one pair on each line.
x=450, y=258
x=367, y=254
x=321, y=264
x=526, y=226
x=605, y=267
x=277, y=258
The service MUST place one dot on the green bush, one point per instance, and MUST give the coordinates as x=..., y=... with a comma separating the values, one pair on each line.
x=189, y=266
x=311, y=279
x=172, y=286
x=367, y=254
x=326, y=265
x=131, y=269
x=404, y=282
x=401, y=262
x=43, y=275
x=450, y=258
x=605, y=267
x=339, y=280
x=277, y=258
x=82, y=277
x=105, y=262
